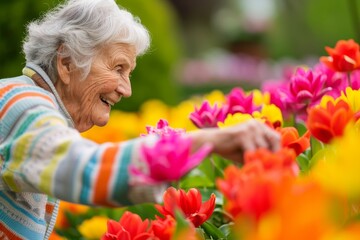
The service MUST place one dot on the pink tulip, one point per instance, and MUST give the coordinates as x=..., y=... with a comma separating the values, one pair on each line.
x=305, y=90
x=337, y=81
x=163, y=128
x=169, y=159
x=208, y=116
x=355, y=79
x=278, y=91
x=238, y=102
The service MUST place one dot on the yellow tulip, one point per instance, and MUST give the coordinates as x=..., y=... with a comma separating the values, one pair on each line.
x=93, y=228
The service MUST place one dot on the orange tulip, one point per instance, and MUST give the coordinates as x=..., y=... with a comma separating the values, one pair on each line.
x=73, y=208
x=301, y=210
x=290, y=139
x=55, y=236
x=249, y=190
x=283, y=161
x=344, y=57
x=327, y=123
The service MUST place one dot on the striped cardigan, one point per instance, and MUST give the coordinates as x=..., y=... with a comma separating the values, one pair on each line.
x=43, y=158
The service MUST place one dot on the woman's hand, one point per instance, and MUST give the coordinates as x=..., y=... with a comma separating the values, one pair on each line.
x=232, y=142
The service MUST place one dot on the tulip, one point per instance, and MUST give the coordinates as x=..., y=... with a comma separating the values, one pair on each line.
x=306, y=90
x=189, y=203
x=94, y=227
x=207, y=116
x=163, y=128
x=337, y=81
x=169, y=159
x=249, y=190
x=352, y=97
x=235, y=119
x=238, y=102
x=345, y=57
x=246, y=190
x=355, y=80
x=163, y=228
x=327, y=123
x=290, y=139
x=75, y=209
x=271, y=114
x=278, y=92
x=283, y=161
x=337, y=169
x=129, y=227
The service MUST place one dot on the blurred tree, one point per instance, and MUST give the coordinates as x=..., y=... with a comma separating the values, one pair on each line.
x=154, y=74
x=303, y=28
x=13, y=18
x=196, y=23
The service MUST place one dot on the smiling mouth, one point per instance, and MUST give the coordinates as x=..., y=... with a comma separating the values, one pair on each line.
x=107, y=102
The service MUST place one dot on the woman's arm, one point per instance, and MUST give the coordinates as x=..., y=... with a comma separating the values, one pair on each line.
x=41, y=153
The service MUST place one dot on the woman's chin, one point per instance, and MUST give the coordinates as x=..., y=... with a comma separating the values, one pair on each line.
x=103, y=120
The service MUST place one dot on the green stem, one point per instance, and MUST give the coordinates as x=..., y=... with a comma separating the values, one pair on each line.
x=294, y=121
x=352, y=4
x=311, y=147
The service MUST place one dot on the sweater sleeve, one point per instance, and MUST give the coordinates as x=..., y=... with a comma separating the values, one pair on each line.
x=41, y=153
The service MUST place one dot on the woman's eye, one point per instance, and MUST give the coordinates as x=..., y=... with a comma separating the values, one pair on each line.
x=119, y=68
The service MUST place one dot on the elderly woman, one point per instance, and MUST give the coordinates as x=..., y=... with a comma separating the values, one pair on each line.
x=79, y=58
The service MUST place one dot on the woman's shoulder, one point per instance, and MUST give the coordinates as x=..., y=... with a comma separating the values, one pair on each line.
x=20, y=93
x=22, y=87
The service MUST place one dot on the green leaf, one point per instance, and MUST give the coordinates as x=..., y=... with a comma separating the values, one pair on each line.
x=304, y=162
x=145, y=211
x=181, y=225
x=301, y=128
x=196, y=178
x=212, y=231
x=206, y=193
x=316, y=145
x=321, y=154
x=226, y=229
x=220, y=217
x=206, y=173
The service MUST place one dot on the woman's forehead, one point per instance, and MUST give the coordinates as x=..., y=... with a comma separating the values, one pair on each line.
x=122, y=52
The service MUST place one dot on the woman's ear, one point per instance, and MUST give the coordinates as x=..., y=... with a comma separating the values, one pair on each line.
x=64, y=66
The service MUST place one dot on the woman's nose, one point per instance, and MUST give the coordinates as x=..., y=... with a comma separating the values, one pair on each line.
x=124, y=88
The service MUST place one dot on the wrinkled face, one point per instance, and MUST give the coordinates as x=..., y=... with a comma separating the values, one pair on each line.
x=89, y=101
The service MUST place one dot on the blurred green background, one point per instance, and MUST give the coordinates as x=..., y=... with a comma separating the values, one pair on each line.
x=195, y=41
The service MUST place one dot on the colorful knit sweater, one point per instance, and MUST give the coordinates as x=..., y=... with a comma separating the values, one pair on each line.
x=43, y=158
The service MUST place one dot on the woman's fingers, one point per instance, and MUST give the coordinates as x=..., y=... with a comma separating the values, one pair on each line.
x=233, y=142
x=258, y=135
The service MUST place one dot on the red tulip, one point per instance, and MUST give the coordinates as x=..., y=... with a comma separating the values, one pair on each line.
x=163, y=228
x=189, y=203
x=129, y=227
x=344, y=57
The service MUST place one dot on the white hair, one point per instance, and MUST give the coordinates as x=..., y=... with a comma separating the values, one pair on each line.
x=82, y=27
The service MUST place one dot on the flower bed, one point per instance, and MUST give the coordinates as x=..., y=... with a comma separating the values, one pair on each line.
x=309, y=189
